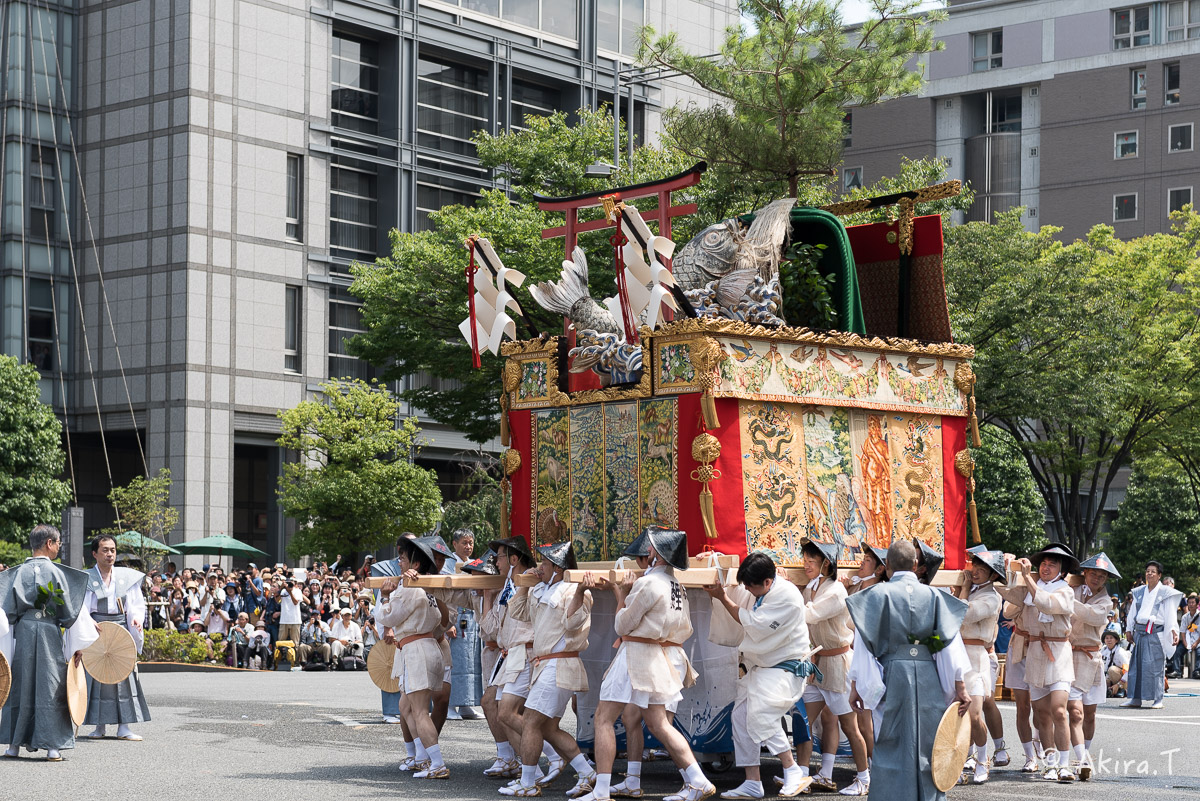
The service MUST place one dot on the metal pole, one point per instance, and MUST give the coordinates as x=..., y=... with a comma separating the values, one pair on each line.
x=616, y=107
x=629, y=123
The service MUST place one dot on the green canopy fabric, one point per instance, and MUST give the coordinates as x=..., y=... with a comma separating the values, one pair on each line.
x=136, y=541
x=220, y=545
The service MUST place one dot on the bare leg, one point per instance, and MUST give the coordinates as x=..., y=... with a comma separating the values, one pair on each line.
x=675, y=743
x=491, y=713
x=866, y=727
x=441, y=705
x=1060, y=721
x=978, y=726
x=605, y=735
x=1024, y=712
x=858, y=746
x=991, y=715
x=635, y=742
x=1075, y=714
x=422, y=724
x=511, y=709
x=813, y=710
x=1089, y=722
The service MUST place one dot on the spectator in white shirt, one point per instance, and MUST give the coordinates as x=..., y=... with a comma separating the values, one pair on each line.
x=345, y=637
x=289, y=613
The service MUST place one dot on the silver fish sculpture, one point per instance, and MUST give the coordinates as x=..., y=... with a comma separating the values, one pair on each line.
x=731, y=255
x=708, y=255
x=605, y=354
x=569, y=297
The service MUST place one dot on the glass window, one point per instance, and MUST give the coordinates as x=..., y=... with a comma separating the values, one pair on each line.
x=43, y=191
x=39, y=325
x=987, y=51
x=522, y=12
x=354, y=78
x=293, y=335
x=531, y=100
x=295, y=196
x=847, y=129
x=561, y=17
x=1126, y=145
x=1131, y=27
x=353, y=200
x=1006, y=114
x=436, y=189
x=1171, y=83
x=345, y=320
x=491, y=7
x=453, y=103
x=852, y=178
x=1178, y=198
x=633, y=19
x=1137, y=79
x=618, y=23
x=1179, y=138
x=1124, y=207
x=1183, y=20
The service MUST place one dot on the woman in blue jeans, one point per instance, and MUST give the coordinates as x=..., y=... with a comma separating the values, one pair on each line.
x=466, y=686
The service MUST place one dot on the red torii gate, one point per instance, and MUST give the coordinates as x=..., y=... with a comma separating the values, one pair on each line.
x=571, y=230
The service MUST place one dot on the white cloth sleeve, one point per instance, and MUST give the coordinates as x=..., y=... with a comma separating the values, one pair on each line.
x=952, y=665
x=81, y=634
x=6, y=638
x=866, y=673
x=135, y=609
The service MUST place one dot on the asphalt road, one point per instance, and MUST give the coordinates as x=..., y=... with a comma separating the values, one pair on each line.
x=320, y=735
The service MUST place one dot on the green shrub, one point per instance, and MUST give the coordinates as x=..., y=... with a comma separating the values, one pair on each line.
x=167, y=645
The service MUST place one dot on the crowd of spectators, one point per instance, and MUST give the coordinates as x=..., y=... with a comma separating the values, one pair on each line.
x=318, y=617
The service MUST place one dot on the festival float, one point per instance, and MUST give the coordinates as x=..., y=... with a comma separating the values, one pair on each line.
x=689, y=400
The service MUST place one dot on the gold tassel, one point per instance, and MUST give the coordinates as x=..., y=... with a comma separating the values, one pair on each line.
x=708, y=406
x=975, y=440
x=504, y=433
x=705, y=449
x=975, y=538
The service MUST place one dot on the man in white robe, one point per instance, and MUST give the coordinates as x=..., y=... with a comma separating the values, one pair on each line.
x=1153, y=628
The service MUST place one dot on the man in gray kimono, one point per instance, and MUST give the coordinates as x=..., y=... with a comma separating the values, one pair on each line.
x=114, y=594
x=911, y=631
x=1153, y=629
x=38, y=597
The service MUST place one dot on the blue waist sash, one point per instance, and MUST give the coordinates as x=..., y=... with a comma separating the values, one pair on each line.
x=800, y=667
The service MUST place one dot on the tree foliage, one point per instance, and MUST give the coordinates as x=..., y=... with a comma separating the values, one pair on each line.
x=1157, y=520
x=1010, y=508
x=785, y=82
x=144, y=506
x=1088, y=353
x=478, y=504
x=354, y=487
x=31, y=455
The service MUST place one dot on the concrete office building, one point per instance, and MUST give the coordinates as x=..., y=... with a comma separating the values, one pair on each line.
x=235, y=156
x=1083, y=112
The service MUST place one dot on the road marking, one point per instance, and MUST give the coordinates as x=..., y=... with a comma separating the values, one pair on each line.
x=1132, y=719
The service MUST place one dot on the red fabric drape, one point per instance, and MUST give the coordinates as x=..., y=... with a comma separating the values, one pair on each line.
x=520, y=427
x=727, y=490
x=954, y=439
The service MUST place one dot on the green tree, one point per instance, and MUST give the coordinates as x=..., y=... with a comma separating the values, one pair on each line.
x=1157, y=520
x=1011, y=511
x=478, y=504
x=1087, y=353
x=785, y=82
x=31, y=454
x=144, y=506
x=354, y=487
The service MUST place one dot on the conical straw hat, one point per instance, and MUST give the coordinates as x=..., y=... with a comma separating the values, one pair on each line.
x=950, y=746
x=76, y=692
x=5, y=680
x=379, y=667
x=110, y=659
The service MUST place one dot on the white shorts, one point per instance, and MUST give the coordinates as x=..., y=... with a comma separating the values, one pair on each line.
x=520, y=685
x=978, y=685
x=1092, y=697
x=618, y=688
x=1038, y=693
x=546, y=696
x=838, y=703
x=446, y=674
x=1014, y=676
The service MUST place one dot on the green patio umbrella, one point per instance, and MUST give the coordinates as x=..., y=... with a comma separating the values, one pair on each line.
x=135, y=541
x=220, y=545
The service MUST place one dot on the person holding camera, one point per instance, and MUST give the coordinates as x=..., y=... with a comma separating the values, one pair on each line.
x=314, y=641
x=345, y=637
x=289, y=613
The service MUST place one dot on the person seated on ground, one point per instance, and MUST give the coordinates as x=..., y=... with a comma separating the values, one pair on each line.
x=345, y=637
x=258, y=652
x=314, y=641
x=1116, y=663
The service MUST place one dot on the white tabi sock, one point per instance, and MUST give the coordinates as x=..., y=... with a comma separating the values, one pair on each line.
x=580, y=765
x=435, y=756
x=999, y=743
x=863, y=776
x=827, y=761
x=1087, y=745
x=529, y=775
x=803, y=769
x=694, y=776
x=603, y=782
x=422, y=754
x=633, y=776
x=1080, y=753
x=750, y=788
x=410, y=749
x=1064, y=759
x=1029, y=752
x=505, y=751
x=549, y=752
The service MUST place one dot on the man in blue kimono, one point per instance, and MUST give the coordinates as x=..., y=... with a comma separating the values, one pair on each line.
x=38, y=597
x=911, y=630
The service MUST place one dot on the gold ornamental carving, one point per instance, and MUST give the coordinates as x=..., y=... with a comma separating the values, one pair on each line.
x=511, y=461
